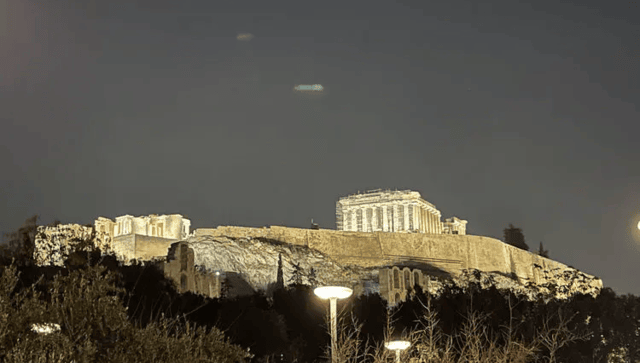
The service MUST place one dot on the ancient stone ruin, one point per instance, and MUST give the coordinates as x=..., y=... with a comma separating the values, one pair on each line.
x=393, y=211
x=386, y=243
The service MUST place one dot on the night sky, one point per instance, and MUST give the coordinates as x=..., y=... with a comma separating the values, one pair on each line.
x=496, y=113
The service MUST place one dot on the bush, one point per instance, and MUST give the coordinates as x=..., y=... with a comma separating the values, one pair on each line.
x=94, y=325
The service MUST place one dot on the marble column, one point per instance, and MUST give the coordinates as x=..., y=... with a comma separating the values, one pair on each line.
x=406, y=217
x=432, y=222
x=364, y=219
x=354, y=219
x=374, y=219
x=394, y=218
x=385, y=225
x=427, y=221
x=425, y=217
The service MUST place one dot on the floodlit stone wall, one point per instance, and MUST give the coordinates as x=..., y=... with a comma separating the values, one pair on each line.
x=447, y=252
x=146, y=247
x=251, y=264
x=392, y=211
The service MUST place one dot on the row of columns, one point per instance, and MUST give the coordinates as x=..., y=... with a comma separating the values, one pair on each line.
x=394, y=218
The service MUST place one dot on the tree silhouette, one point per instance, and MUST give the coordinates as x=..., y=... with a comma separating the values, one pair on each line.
x=542, y=252
x=21, y=243
x=296, y=275
x=514, y=237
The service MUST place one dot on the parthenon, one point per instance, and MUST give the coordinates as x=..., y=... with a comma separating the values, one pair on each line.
x=393, y=211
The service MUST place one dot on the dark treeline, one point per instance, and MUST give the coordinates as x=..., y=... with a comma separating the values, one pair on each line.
x=111, y=312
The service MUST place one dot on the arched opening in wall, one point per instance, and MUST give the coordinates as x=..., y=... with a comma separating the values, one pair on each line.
x=416, y=278
x=184, y=251
x=183, y=282
x=396, y=278
x=407, y=278
x=397, y=298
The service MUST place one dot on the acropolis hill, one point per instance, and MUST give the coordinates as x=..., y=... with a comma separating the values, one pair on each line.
x=392, y=239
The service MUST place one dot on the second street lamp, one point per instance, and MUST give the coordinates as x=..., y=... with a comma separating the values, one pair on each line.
x=333, y=293
x=398, y=346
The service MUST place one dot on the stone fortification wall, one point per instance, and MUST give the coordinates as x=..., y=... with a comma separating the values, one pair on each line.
x=53, y=245
x=257, y=262
x=125, y=246
x=147, y=247
x=450, y=253
x=135, y=246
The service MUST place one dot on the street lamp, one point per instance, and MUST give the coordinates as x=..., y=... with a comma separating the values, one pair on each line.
x=333, y=293
x=398, y=346
x=46, y=328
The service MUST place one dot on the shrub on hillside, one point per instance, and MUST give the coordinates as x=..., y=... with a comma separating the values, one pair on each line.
x=94, y=326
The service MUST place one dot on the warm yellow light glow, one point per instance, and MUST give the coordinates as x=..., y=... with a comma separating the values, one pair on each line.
x=328, y=292
x=638, y=225
x=397, y=345
x=46, y=328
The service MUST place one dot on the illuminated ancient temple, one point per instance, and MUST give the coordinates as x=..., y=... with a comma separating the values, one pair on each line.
x=393, y=211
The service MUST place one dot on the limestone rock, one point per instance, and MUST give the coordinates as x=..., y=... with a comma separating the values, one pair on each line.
x=558, y=284
x=257, y=260
x=53, y=245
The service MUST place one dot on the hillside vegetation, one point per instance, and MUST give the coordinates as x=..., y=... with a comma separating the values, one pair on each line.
x=97, y=310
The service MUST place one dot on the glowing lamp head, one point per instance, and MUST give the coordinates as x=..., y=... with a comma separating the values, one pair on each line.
x=397, y=345
x=46, y=328
x=337, y=292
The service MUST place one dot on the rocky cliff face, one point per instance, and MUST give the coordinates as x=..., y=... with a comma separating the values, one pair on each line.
x=53, y=245
x=257, y=261
x=559, y=284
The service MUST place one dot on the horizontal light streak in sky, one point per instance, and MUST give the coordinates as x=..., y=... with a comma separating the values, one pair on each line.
x=309, y=88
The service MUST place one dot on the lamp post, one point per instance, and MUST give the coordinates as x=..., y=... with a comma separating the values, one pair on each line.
x=46, y=328
x=398, y=346
x=333, y=293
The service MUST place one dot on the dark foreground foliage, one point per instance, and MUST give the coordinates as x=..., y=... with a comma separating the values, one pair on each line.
x=113, y=313
x=94, y=326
